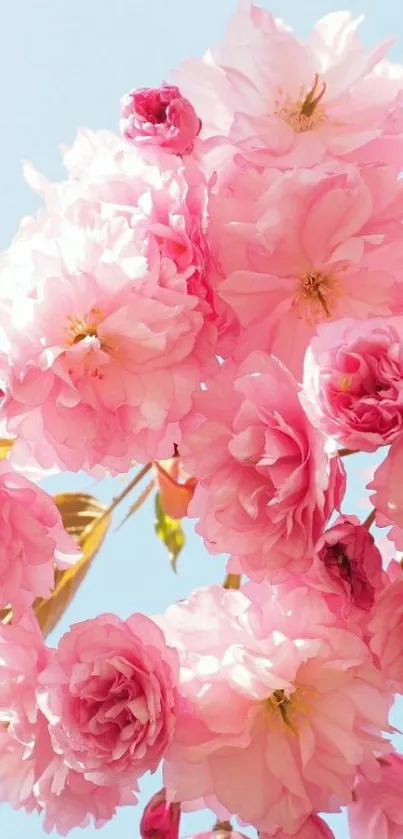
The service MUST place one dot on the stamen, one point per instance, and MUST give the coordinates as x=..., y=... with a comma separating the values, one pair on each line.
x=306, y=113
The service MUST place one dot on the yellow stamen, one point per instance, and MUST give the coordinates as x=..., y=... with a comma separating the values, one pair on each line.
x=316, y=296
x=307, y=112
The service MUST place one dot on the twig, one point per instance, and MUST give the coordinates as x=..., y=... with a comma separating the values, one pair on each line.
x=370, y=519
x=346, y=452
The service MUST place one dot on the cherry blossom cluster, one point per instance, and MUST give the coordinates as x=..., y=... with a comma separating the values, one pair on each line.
x=220, y=286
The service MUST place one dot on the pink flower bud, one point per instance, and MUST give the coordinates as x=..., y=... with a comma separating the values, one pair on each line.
x=160, y=820
x=160, y=116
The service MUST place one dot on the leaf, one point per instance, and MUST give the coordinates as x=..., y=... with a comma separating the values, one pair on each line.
x=87, y=520
x=169, y=531
x=138, y=502
x=5, y=447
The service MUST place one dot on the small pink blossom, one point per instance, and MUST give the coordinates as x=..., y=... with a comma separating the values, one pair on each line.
x=386, y=628
x=388, y=493
x=110, y=697
x=376, y=812
x=353, y=382
x=160, y=116
x=160, y=819
x=353, y=563
x=23, y=656
x=297, y=104
x=32, y=541
x=307, y=247
x=175, y=486
x=266, y=486
x=285, y=705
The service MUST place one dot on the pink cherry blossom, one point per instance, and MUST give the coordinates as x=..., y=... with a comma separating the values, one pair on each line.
x=385, y=628
x=160, y=116
x=266, y=486
x=110, y=696
x=222, y=830
x=160, y=819
x=101, y=362
x=353, y=381
x=284, y=103
x=306, y=247
x=376, y=812
x=313, y=828
x=34, y=778
x=350, y=558
x=33, y=541
x=388, y=493
x=23, y=656
x=285, y=706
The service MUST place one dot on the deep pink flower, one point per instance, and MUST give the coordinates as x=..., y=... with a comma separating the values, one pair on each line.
x=160, y=116
x=110, y=696
x=307, y=247
x=266, y=486
x=386, y=628
x=353, y=563
x=32, y=541
x=376, y=812
x=296, y=104
x=313, y=828
x=388, y=493
x=353, y=381
x=160, y=819
x=222, y=830
x=285, y=706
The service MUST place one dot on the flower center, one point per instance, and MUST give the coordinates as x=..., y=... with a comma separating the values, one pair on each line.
x=315, y=296
x=279, y=703
x=307, y=112
x=80, y=328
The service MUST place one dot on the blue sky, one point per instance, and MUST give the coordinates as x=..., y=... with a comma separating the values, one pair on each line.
x=65, y=64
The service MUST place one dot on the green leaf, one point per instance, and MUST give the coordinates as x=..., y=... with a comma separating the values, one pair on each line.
x=169, y=531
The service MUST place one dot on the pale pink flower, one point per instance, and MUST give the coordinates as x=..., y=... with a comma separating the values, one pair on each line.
x=160, y=116
x=36, y=779
x=353, y=381
x=110, y=696
x=266, y=486
x=306, y=247
x=353, y=565
x=32, y=541
x=23, y=656
x=285, y=103
x=376, y=812
x=313, y=828
x=175, y=486
x=103, y=352
x=386, y=628
x=160, y=819
x=285, y=706
x=388, y=493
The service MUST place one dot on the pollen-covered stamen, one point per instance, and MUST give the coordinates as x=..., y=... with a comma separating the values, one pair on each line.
x=81, y=328
x=284, y=706
x=307, y=112
x=316, y=296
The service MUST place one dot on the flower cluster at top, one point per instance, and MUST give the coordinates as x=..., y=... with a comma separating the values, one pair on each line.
x=222, y=282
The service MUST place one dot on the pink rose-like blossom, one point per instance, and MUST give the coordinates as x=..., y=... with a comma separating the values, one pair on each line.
x=266, y=486
x=353, y=381
x=304, y=248
x=23, y=656
x=160, y=116
x=313, y=828
x=296, y=104
x=376, y=812
x=386, y=628
x=32, y=541
x=388, y=493
x=353, y=563
x=110, y=696
x=285, y=706
x=160, y=819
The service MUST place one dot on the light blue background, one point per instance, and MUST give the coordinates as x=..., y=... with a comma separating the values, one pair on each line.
x=65, y=64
